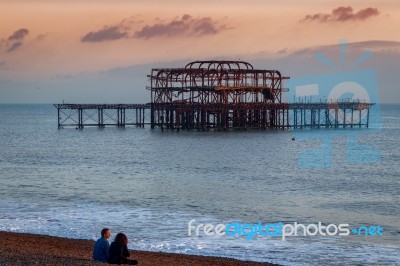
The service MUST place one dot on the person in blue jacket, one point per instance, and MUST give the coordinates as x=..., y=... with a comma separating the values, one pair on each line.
x=102, y=246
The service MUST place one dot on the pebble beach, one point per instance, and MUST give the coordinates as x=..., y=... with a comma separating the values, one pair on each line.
x=31, y=249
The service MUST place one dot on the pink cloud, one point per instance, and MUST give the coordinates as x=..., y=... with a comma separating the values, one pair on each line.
x=15, y=40
x=343, y=14
x=41, y=37
x=14, y=46
x=18, y=35
x=185, y=26
x=108, y=33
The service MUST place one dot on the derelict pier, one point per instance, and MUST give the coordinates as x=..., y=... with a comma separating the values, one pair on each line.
x=217, y=95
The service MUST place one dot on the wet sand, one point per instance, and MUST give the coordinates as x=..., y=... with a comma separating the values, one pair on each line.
x=31, y=249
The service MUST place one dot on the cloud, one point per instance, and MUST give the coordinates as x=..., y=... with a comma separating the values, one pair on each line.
x=185, y=26
x=282, y=51
x=15, y=40
x=18, y=35
x=41, y=37
x=342, y=14
x=14, y=46
x=108, y=33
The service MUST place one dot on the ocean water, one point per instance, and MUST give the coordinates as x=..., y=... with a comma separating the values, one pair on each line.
x=150, y=184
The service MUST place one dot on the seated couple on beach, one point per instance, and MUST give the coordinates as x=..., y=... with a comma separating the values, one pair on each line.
x=116, y=253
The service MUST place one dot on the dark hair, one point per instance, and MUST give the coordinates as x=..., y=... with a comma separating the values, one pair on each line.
x=104, y=231
x=121, y=238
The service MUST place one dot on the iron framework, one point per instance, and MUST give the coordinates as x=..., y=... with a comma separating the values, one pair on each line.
x=221, y=95
x=217, y=95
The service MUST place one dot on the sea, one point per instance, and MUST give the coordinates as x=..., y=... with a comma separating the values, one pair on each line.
x=150, y=184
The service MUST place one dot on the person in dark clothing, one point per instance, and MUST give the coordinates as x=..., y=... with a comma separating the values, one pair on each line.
x=118, y=252
x=100, y=250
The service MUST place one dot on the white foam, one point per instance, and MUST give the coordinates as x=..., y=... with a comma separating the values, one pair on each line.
x=164, y=231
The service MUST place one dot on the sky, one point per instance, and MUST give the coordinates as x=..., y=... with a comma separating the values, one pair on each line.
x=101, y=50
